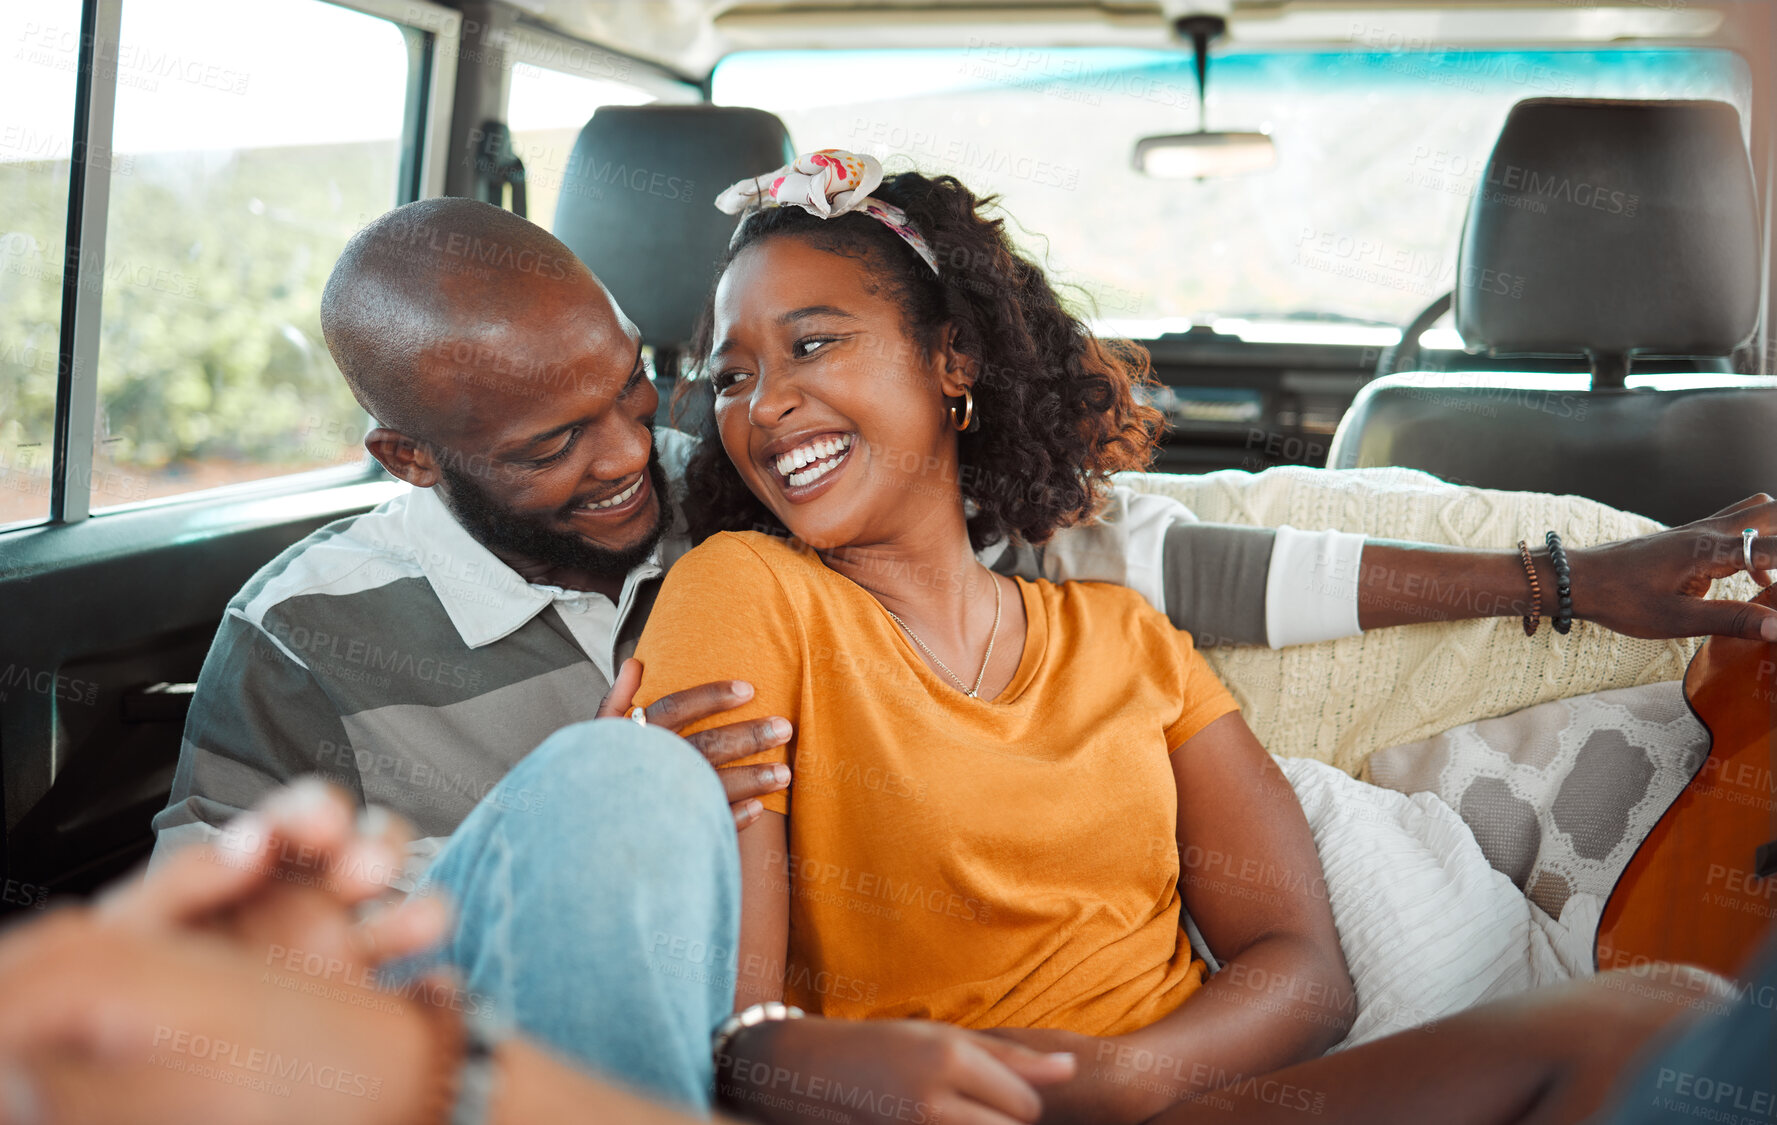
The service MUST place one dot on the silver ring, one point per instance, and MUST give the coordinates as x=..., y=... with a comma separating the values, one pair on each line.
x=1746, y=538
x=638, y=716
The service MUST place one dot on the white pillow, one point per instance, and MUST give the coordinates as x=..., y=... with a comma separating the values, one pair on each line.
x=1428, y=927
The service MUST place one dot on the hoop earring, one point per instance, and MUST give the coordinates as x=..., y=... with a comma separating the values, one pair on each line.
x=968, y=412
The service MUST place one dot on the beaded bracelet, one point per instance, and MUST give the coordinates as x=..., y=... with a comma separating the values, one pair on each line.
x=1534, y=618
x=1563, y=584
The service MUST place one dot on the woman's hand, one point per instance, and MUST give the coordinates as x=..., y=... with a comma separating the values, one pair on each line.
x=887, y=1072
x=720, y=745
x=1113, y=1083
x=1658, y=585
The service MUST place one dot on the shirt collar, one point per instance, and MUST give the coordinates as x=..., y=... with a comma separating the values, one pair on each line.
x=485, y=599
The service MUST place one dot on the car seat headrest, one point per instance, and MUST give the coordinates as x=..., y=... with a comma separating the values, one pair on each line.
x=1610, y=227
x=637, y=203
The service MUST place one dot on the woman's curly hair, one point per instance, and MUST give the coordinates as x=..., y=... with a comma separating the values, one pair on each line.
x=1056, y=408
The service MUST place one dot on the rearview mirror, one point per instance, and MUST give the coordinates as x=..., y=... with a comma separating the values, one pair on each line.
x=1200, y=156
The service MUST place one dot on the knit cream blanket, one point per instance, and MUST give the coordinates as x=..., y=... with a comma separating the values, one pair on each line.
x=1339, y=701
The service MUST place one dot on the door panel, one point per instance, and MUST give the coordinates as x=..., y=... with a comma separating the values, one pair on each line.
x=95, y=615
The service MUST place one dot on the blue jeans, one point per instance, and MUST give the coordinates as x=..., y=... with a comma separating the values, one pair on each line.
x=598, y=897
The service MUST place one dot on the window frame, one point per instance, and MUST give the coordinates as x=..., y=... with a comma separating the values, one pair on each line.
x=533, y=45
x=547, y=50
x=432, y=33
x=1758, y=125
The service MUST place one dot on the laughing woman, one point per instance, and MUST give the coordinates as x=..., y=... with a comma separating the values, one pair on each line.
x=994, y=779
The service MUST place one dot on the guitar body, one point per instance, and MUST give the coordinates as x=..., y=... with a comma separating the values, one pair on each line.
x=1692, y=894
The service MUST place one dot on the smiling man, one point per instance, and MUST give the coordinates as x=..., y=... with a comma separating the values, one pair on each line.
x=414, y=654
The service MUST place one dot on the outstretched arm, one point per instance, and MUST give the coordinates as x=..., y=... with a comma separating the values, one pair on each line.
x=1227, y=584
x=1547, y=1057
x=1655, y=585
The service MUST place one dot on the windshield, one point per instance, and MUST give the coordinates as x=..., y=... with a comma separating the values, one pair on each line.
x=1357, y=222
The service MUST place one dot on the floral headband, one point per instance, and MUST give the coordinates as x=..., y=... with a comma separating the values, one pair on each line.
x=825, y=184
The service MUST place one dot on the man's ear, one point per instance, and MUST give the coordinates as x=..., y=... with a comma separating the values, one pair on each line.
x=955, y=369
x=405, y=458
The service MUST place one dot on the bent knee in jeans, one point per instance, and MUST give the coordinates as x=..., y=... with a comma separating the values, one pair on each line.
x=610, y=767
x=566, y=876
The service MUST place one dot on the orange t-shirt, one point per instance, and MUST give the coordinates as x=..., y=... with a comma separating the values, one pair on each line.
x=1010, y=862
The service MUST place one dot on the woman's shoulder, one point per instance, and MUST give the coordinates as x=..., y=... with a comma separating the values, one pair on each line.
x=1098, y=597
x=1113, y=613
x=741, y=546
x=729, y=557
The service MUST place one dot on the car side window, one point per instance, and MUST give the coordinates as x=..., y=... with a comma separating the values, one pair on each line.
x=36, y=144
x=245, y=161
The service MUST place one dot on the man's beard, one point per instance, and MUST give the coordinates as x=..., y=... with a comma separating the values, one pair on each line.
x=532, y=537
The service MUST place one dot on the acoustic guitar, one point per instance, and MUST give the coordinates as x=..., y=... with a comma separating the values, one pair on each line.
x=1702, y=888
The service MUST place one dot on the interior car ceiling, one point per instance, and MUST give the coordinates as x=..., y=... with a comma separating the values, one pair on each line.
x=119, y=610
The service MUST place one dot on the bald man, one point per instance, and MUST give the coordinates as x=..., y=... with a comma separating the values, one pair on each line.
x=416, y=653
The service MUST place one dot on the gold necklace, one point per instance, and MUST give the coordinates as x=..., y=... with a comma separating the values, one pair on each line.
x=999, y=597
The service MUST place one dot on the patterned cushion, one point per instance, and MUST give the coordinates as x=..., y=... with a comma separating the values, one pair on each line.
x=1559, y=795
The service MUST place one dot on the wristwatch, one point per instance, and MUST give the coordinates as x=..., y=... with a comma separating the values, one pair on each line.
x=770, y=1011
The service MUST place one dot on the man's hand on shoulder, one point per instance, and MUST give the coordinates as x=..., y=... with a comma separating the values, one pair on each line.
x=720, y=745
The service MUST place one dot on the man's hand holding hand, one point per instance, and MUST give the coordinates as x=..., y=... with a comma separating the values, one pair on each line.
x=887, y=1072
x=1104, y=1090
